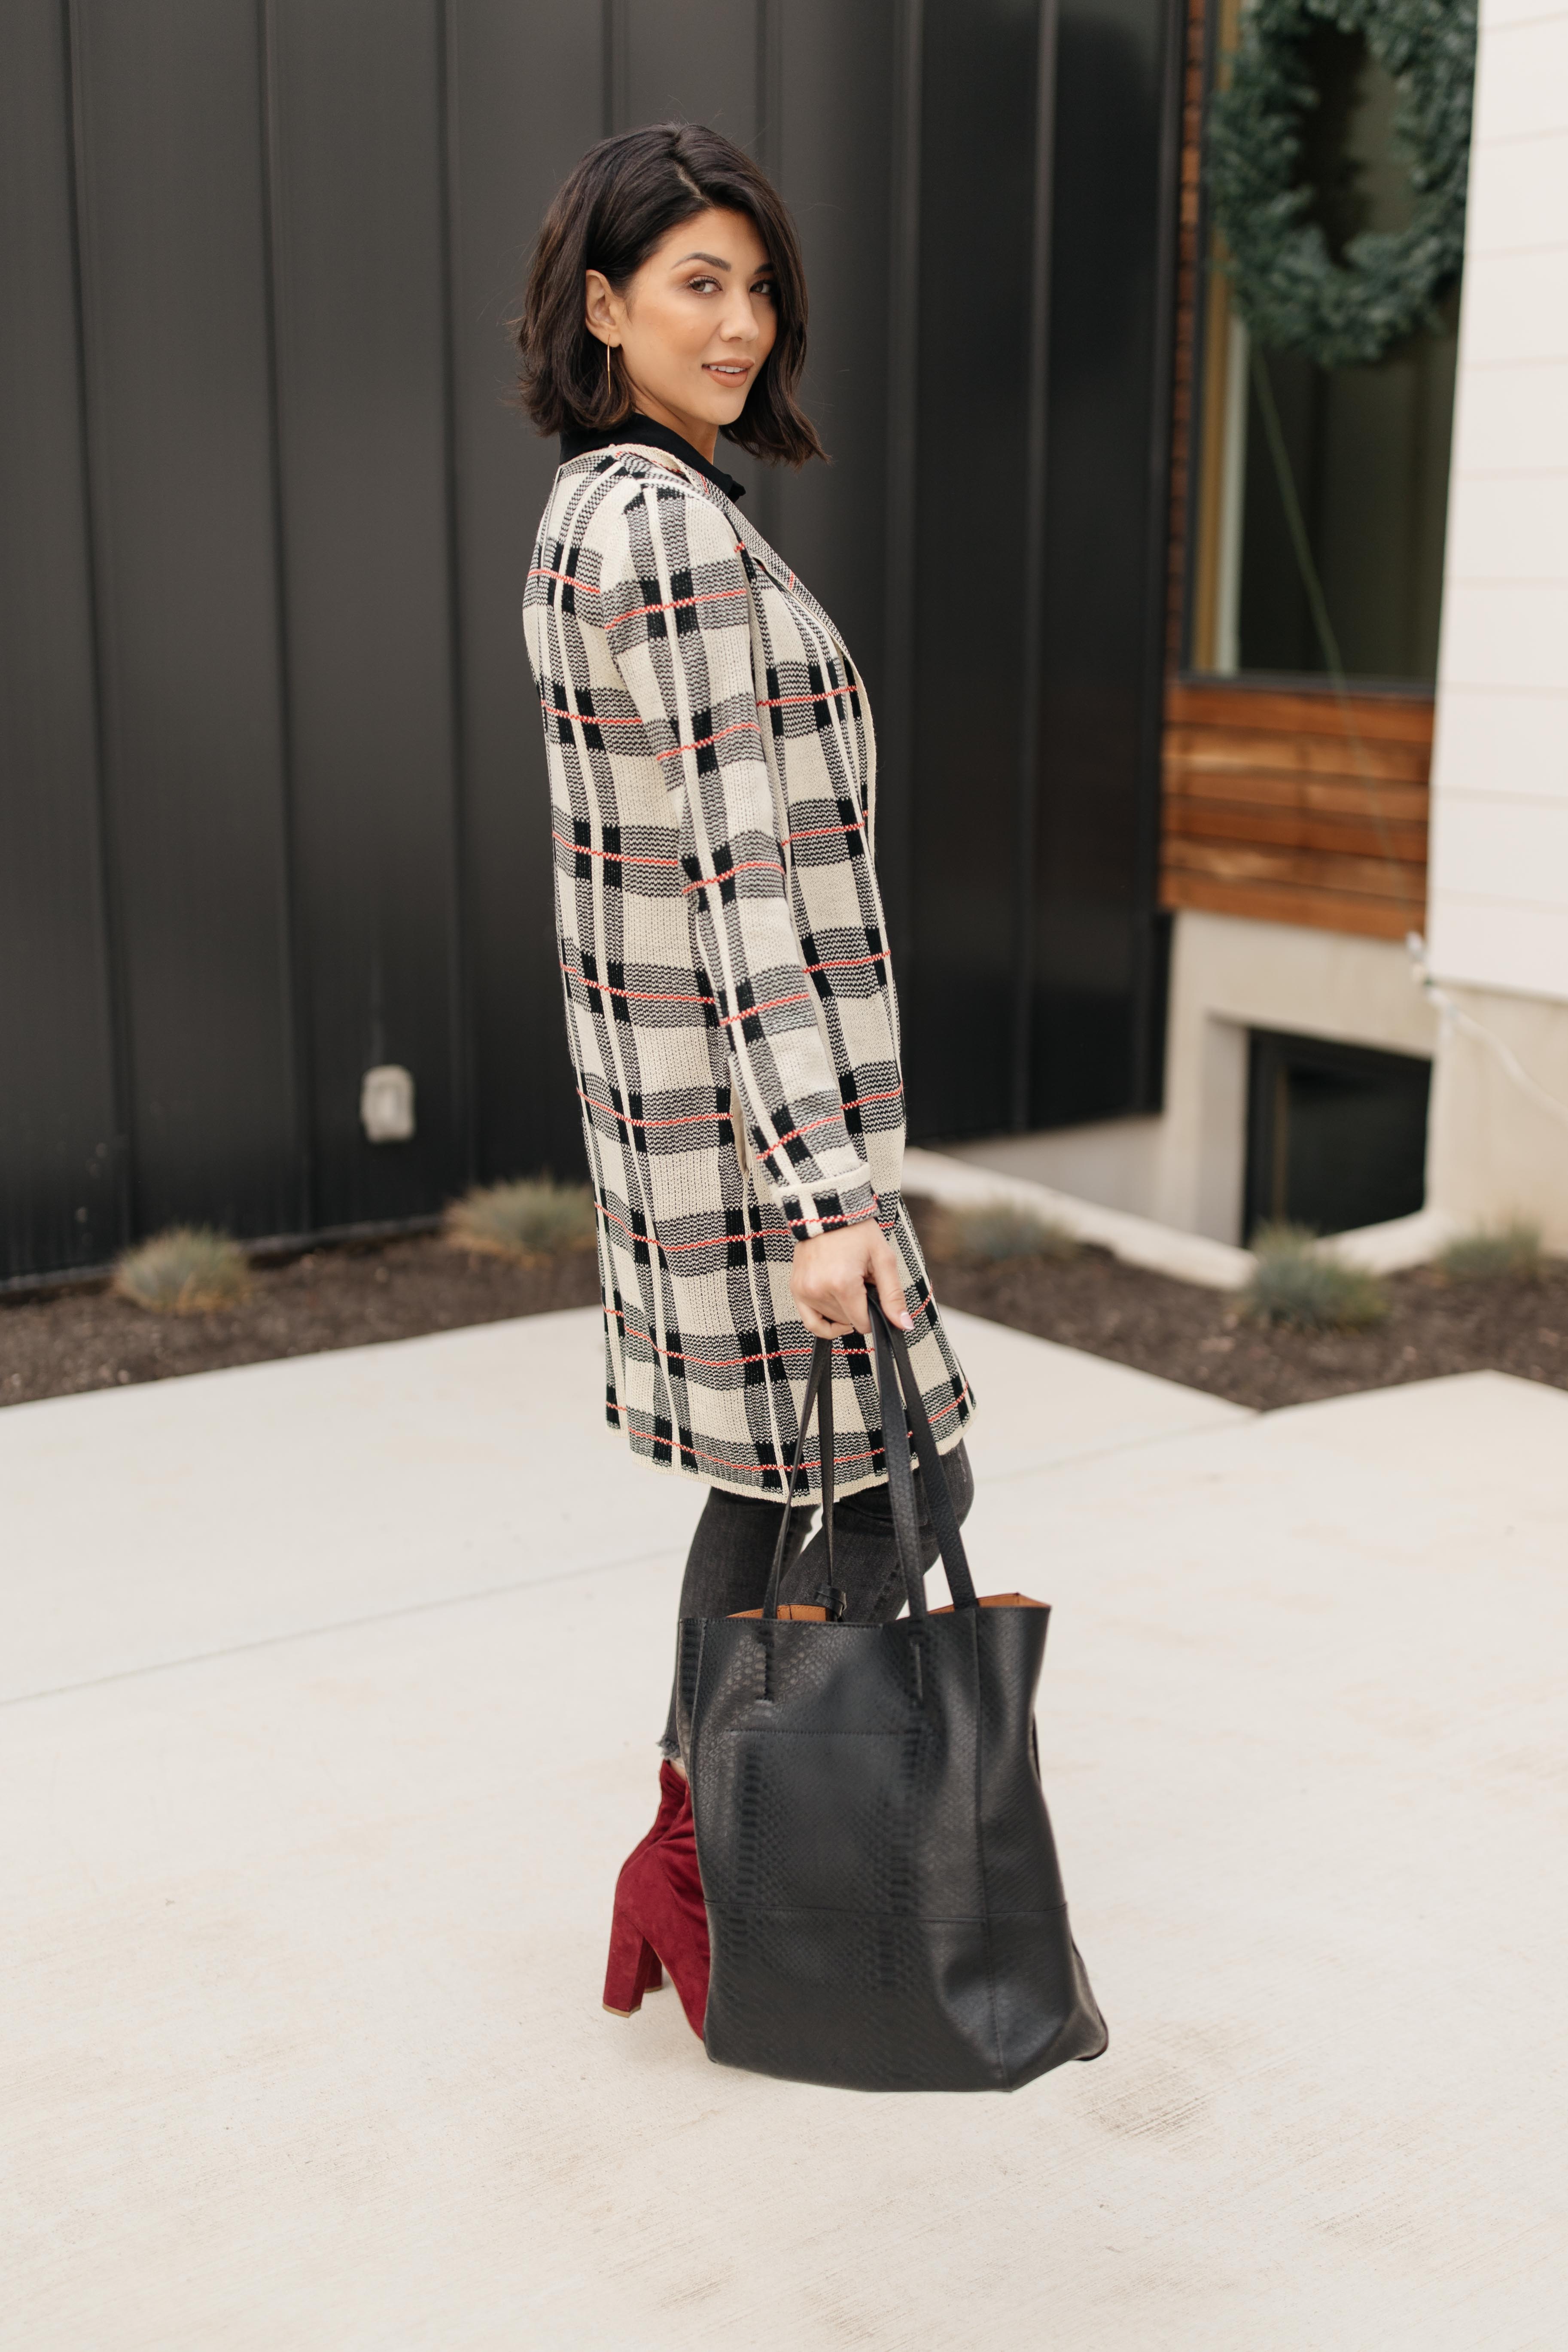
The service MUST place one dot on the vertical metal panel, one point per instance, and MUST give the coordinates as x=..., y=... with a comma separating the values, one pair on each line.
x=175, y=337
x=356, y=162
x=525, y=90
x=896, y=824
x=1032, y=587
x=828, y=144
x=1096, y=961
x=692, y=61
x=59, y=1171
x=976, y=235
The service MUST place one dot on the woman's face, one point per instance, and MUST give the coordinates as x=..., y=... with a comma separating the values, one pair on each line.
x=694, y=325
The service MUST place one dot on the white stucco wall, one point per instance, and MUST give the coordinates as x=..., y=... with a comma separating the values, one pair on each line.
x=1499, y=907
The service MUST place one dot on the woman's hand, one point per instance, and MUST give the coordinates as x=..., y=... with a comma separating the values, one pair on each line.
x=829, y=1275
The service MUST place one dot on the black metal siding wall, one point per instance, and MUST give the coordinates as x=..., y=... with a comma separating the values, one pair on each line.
x=171, y=228
x=970, y=789
x=59, y=1114
x=1094, y=1042
x=272, y=802
x=525, y=97
x=1033, y=983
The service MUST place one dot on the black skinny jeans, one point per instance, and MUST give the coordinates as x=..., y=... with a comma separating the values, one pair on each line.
x=732, y=1552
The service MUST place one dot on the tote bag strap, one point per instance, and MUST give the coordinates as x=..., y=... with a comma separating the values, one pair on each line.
x=899, y=1391
x=819, y=1393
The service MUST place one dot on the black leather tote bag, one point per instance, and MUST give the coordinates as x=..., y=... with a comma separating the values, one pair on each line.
x=884, y=1905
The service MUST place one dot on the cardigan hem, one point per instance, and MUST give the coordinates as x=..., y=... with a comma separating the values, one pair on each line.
x=660, y=1454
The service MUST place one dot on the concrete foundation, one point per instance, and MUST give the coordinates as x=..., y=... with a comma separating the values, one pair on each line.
x=1115, y=1163
x=1495, y=1151
x=1186, y=1168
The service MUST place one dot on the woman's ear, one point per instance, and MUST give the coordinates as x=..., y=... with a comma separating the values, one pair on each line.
x=600, y=306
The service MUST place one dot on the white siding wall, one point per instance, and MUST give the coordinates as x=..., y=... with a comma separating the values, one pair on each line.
x=1499, y=855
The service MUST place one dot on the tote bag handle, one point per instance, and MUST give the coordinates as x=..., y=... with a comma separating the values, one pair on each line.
x=897, y=1391
x=818, y=1393
x=894, y=1372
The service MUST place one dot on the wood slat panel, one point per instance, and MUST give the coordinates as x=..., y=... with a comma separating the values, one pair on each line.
x=1290, y=807
x=1320, y=910
x=1245, y=788
x=1300, y=868
x=1351, y=837
x=1376, y=718
x=1296, y=753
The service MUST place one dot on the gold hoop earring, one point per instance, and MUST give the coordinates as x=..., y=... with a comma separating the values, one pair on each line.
x=609, y=376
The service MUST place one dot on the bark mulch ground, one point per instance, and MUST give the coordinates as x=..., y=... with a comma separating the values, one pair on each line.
x=345, y=1298
x=1094, y=1302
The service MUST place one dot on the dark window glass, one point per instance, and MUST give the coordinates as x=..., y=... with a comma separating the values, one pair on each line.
x=1336, y=1134
x=1366, y=449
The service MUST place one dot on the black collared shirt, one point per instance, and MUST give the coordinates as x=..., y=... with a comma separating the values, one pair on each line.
x=650, y=436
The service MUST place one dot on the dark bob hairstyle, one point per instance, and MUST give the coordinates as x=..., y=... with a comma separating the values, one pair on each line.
x=609, y=214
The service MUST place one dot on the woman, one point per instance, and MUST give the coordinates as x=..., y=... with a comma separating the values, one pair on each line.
x=729, y=1003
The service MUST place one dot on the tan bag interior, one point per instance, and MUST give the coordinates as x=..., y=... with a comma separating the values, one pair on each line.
x=808, y=1612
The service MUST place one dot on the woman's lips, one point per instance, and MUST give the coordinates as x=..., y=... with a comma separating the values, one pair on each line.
x=728, y=371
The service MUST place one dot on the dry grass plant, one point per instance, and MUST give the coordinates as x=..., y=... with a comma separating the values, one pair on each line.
x=1495, y=1253
x=1304, y=1286
x=529, y=1221
x=995, y=1233
x=188, y=1270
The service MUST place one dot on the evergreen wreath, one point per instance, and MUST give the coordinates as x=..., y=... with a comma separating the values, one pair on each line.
x=1290, y=291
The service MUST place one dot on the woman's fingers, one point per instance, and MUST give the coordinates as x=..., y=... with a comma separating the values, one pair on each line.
x=830, y=1277
x=823, y=1309
x=819, y=1326
x=831, y=1298
x=889, y=1284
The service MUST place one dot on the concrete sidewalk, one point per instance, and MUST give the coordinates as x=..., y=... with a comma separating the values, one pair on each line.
x=332, y=1688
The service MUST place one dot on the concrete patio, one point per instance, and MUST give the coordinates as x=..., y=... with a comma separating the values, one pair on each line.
x=330, y=1688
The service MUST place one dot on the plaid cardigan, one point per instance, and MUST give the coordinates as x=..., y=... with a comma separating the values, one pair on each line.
x=729, y=1005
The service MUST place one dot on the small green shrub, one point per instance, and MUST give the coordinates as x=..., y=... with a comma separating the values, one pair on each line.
x=188, y=1270
x=991, y=1232
x=1492, y=1254
x=1306, y=1287
x=529, y=1221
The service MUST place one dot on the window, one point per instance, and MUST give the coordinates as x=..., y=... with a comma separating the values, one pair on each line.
x=1365, y=449
x=1336, y=1134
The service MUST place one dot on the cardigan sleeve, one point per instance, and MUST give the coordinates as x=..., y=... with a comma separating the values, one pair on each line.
x=675, y=606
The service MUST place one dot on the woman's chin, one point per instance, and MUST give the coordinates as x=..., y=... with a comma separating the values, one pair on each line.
x=723, y=403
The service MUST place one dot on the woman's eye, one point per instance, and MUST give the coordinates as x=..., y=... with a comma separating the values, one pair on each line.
x=764, y=286
x=701, y=284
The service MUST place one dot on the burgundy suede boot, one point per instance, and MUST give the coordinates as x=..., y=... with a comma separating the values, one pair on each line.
x=659, y=1914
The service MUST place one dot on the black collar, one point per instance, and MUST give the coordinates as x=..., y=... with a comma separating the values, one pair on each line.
x=644, y=431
